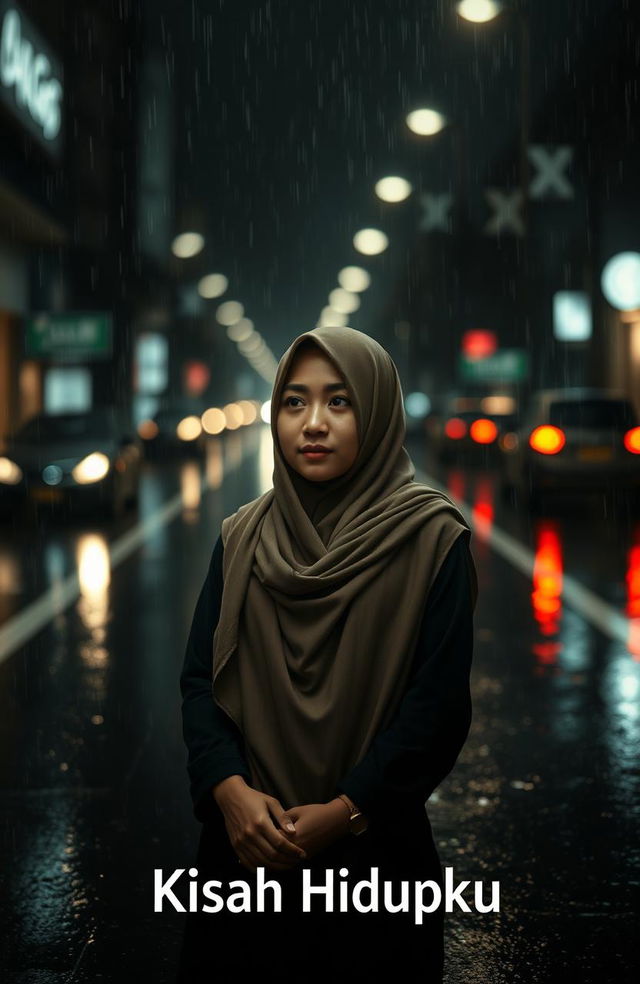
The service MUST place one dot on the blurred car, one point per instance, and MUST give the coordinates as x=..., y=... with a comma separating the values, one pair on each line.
x=174, y=430
x=72, y=458
x=470, y=429
x=573, y=440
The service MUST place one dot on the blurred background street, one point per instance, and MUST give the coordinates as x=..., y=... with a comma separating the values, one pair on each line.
x=185, y=188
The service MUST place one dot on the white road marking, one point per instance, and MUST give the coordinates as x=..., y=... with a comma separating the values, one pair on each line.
x=599, y=613
x=27, y=623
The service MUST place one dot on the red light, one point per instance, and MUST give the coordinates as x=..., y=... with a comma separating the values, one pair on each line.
x=547, y=580
x=455, y=428
x=632, y=440
x=633, y=582
x=633, y=596
x=483, y=431
x=479, y=344
x=547, y=439
x=196, y=377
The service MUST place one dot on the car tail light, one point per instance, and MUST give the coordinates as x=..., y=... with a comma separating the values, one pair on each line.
x=632, y=440
x=483, y=431
x=455, y=428
x=547, y=439
x=509, y=441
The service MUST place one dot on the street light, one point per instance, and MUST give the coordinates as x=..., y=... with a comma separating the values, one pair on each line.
x=370, y=242
x=240, y=330
x=212, y=285
x=479, y=11
x=354, y=278
x=229, y=312
x=343, y=301
x=332, y=319
x=187, y=244
x=425, y=122
x=621, y=281
x=393, y=189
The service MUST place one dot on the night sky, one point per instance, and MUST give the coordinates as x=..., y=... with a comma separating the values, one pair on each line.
x=287, y=114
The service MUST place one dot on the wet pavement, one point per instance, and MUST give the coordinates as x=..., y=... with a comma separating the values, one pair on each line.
x=93, y=785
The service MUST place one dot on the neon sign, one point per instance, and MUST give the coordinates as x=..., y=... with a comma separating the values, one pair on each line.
x=30, y=78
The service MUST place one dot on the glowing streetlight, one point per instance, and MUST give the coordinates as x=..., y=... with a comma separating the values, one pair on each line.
x=252, y=344
x=354, y=278
x=229, y=312
x=332, y=319
x=393, y=189
x=343, y=301
x=479, y=11
x=621, y=281
x=187, y=244
x=240, y=330
x=370, y=242
x=426, y=122
x=213, y=285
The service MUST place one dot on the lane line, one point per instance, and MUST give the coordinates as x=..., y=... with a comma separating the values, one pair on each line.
x=18, y=629
x=590, y=606
x=32, y=619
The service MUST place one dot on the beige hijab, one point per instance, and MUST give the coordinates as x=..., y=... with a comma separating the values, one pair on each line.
x=325, y=585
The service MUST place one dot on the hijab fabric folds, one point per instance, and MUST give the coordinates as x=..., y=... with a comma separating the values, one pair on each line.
x=325, y=586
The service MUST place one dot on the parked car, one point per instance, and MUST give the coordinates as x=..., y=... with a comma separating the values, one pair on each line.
x=470, y=429
x=71, y=458
x=573, y=440
x=174, y=430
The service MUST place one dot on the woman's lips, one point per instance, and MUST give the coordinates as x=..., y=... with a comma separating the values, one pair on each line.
x=315, y=455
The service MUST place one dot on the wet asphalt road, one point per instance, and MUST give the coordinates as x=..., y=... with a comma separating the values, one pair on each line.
x=93, y=786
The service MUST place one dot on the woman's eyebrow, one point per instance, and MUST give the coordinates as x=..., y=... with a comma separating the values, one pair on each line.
x=301, y=388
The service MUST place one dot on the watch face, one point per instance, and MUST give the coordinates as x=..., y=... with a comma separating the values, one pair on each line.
x=358, y=824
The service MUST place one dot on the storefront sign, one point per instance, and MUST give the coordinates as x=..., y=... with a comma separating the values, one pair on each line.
x=30, y=78
x=77, y=336
x=504, y=366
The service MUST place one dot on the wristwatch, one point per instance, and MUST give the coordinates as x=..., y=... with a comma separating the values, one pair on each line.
x=358, y=823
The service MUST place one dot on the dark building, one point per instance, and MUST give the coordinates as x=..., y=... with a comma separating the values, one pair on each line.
x=73, y=173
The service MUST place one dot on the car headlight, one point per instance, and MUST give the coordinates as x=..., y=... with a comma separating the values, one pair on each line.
x=10, y=473
x=91, y=469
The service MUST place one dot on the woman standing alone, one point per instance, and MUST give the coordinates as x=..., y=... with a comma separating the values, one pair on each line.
x=326, y=679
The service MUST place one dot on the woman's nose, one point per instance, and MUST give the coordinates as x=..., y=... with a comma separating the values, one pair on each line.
x=315, y=418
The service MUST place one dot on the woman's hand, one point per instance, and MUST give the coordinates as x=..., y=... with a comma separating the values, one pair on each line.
x=319, y=824
x=254, y=821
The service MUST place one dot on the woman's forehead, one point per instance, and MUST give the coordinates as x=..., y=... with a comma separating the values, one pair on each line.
x=308, y=356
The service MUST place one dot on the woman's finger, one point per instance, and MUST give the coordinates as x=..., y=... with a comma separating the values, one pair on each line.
x=276, y=848
x=257, y=852
x=282, y=819
x=285, y=847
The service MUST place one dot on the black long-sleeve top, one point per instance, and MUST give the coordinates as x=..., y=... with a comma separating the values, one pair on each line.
x=407, y=760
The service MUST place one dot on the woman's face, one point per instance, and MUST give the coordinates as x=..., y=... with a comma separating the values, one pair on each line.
x=315, y=408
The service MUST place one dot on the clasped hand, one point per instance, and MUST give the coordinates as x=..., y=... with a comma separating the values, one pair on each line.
x=257, y=826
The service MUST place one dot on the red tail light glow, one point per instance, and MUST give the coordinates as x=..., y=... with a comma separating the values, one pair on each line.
x=632, y=440
x=483, y=431
x=547, y=439
x=455, y=428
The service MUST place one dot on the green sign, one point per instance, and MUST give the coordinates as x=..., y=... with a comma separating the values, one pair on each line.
x=70, y=336
x=504, y=366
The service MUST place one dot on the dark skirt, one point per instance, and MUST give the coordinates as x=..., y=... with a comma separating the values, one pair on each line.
x=348, y=945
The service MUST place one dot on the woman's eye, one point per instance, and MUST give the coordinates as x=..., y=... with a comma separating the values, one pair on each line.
x=288, y=399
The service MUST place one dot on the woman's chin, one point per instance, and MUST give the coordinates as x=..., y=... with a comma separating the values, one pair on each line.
x=317, y=473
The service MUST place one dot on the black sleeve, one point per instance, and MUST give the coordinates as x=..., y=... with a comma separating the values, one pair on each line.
x=214, y=742
x=411, y=757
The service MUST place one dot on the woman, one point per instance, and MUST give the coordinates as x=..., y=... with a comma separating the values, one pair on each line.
x=340, y=605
